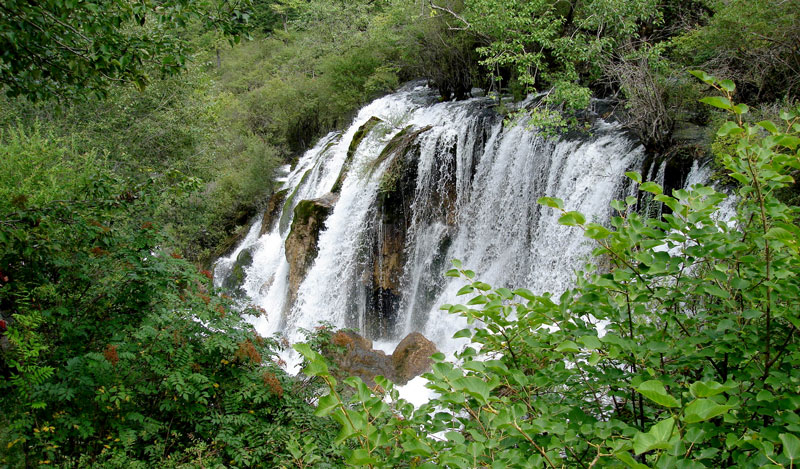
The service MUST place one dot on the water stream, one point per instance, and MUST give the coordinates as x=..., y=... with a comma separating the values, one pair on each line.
x=473, y=197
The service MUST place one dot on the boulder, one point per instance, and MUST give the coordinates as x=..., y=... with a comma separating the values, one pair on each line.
x=412, y=357
x=302, y=242
x=353, y=355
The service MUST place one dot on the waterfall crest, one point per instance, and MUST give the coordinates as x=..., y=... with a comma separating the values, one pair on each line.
x=426, y=183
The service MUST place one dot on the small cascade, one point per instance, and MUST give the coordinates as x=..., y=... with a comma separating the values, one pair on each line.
x=410, y=185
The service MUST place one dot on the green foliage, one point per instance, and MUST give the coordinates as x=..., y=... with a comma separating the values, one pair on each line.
x=683, y=353
x=56, y=48
x=118, y=352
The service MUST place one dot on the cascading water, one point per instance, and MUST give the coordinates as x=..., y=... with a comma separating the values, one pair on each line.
x=428, y=183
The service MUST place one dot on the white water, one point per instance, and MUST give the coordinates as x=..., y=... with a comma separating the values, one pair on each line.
x=491, y=173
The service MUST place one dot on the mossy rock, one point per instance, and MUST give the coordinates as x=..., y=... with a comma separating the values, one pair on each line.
x=358, y=137
x=236, y=278
x=398, y=146
x=301, y=245
x=273, y=210
x=286, y=211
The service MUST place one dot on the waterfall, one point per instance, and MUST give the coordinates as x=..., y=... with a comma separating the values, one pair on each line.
x=429, y=182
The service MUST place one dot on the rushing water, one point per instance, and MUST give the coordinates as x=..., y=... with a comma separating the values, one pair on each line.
x=474, y=199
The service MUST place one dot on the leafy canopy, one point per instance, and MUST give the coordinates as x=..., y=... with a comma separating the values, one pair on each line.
x=58, y=47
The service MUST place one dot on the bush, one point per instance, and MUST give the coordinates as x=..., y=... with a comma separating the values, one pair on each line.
x=118, y=352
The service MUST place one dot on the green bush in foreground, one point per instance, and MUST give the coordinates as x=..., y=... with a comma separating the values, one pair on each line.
x=118, y=353
x=699, y=365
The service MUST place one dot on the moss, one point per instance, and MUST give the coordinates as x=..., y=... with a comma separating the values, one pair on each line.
x=285, y=213
x=399, y=145
x=307, y=209
x=358, y=137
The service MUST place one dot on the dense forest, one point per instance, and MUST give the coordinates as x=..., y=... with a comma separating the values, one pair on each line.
x=138, y=141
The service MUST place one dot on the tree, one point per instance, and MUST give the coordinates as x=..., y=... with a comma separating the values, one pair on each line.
x=56, y=47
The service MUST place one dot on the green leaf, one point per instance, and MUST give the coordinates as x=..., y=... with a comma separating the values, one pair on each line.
x=629, y=461
x=455, y=437
x=568, y=346
x=701, y=410
x=462, y=334
x=591, y=342
x=656, y=392
x=525, y=293
x=718, y=101
x=703, y=76
x=727, y=85
x=326, y=405
x=741, y=108
x=572, y=219
x=553, y=202
x=651, y=187
x=729, y=128
x=656, y=438
x=768, y=126
x=791, y=446
x=456, y=263
x=595, y=231
x=635, y=176
x=465, y=290
x=708, y=388
x=360, y=457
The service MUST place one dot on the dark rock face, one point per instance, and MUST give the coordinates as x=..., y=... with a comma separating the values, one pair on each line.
x=392, y=219
x=302, y=242
x=354, y=356
x=273, y=210
x=235, y=280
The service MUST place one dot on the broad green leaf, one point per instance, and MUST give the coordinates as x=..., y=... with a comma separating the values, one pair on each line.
x=595, y=231
x=572, y=219
x=656, y=392
x=791, y=446
x=635, y=176
x=656, y=438
x=718, y=101
x=768, y=126
x=729, y=128
x=701, y=410
x=651, y=187
x=463, y=333
x=465, y=290
x=568, y=346
x=360, y=457
x=553, y=202
x=591, y=342
x=708, y=388
x=727, y=85
x=629, y=461
x=326, y=405
x=703, y=76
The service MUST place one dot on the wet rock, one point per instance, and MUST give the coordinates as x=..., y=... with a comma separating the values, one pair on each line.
x=274, y=205
x=353, y=355
x=302, y=242
x=412, y=357
x=392, y=217
x=235, y=279
x=351, y=151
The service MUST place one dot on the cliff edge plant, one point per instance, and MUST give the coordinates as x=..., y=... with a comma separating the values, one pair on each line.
x=683, y=353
